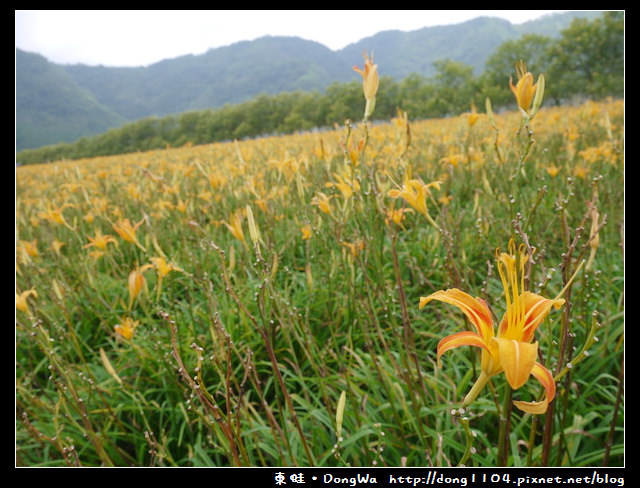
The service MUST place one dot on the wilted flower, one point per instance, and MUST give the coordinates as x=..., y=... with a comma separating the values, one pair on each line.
x=594, y=235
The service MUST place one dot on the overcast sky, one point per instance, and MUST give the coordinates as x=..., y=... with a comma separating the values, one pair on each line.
x=143, y=37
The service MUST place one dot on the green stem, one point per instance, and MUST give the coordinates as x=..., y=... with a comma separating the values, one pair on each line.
x=532, y=437
x=503, y=432
x=469, y=436
x=475, y=389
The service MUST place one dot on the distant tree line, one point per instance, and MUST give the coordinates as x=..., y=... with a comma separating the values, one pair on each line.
x=586, y=61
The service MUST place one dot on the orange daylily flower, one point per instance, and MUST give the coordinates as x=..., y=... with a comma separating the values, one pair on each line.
x=510, y=351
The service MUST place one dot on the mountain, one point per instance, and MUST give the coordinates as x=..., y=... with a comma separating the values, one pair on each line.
x=52, y=107
x=60, y=103
x=228, y=74
x=402, y=53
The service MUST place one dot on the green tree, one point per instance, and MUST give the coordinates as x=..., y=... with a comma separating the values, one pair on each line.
x=346, y=101
x=533, y=49
x=588, y=60
x=455, y=88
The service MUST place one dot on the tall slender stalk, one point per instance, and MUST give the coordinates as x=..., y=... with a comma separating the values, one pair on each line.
x=504, y=428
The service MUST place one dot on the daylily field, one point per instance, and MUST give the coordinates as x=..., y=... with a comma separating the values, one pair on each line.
x=409, y=293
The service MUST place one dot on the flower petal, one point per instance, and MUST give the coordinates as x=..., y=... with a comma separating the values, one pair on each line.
x=475, y=309
x=546, y=379
x=466, y=338
x=536, y=308
x=517, y=358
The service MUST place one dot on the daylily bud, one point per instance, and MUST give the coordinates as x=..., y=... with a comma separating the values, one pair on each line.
x=253, y=228
x=340, y=413
x=108, y=366
x=136, y=282
x=594, y=236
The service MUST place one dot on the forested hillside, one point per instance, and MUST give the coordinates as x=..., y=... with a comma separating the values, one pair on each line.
x=585, y=60
x=52, y=107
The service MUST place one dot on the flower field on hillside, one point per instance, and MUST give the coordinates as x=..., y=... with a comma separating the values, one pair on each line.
x=278, y=301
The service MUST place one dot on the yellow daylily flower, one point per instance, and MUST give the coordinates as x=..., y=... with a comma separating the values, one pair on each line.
x=127, y=328
x=415, y=193
x=370, y=83
x=306, y=232
x=127, y=231
x=30, y=248
x=511, y=350
x=163, y=267
x=396, y=216
x=55, y=215
x=100, y=241
x=552, y=170
x=322, y=201
x=235, y=227
x=57, y=245
x=21, y=300
x=354, y=247
x=524, y=90
x=472, y=116
x=345, y=185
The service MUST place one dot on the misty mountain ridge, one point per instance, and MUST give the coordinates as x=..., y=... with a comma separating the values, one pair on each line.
x=61, y=103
